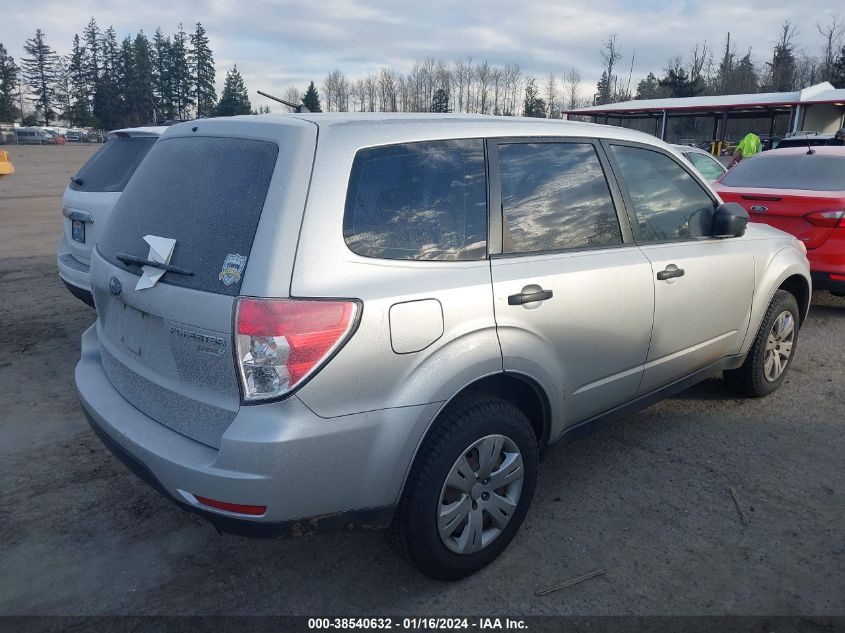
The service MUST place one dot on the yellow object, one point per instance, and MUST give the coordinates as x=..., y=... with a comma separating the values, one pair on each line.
x=6, y=166
x=750, y=145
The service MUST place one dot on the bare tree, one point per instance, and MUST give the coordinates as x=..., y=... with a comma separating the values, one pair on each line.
x=551, y=96
x=832, y=34
x=291, y=94
x=573, y=89
x=610, y=54
x=482, y=73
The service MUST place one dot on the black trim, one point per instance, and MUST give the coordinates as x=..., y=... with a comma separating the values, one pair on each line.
x=368, y=519
x=822, y=281
x=83, y=295
x=627, y=409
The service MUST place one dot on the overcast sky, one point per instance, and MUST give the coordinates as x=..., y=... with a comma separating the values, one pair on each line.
x=277, y=43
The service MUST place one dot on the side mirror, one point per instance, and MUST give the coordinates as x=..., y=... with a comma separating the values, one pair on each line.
x=729, y=220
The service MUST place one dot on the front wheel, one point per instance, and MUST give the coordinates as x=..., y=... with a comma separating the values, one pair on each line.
x=469, y=488
x=772, y=352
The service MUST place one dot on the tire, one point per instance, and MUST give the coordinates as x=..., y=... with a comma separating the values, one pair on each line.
x=469, y=419
x=754, y=378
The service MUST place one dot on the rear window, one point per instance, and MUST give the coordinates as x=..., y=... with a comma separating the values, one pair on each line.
x=812, y=172
x=423, y=201
x=206, y=193
x=113, y=165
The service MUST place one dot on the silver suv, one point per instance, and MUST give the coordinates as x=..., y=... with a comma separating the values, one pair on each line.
x=318, y=321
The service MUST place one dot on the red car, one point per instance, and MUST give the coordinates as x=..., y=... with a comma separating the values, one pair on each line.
x=799, y=190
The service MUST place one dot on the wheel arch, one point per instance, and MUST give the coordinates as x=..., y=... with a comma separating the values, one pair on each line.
x=521, y=390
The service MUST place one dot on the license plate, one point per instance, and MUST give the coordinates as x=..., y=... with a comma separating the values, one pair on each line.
x=77, y=230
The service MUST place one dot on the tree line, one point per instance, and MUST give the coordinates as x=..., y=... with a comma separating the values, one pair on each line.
x=110, y=84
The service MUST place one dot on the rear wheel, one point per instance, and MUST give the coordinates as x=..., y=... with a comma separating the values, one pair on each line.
x=469, y=488
x=771, y=354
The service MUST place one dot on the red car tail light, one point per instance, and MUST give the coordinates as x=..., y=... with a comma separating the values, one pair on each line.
x=831, y=218
x=281, y=342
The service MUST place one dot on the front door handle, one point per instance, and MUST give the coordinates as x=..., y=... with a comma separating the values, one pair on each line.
x=530, y=294
x=670, y=272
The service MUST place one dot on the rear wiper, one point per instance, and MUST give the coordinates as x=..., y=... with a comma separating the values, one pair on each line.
x=140, y=261
x=76, y=181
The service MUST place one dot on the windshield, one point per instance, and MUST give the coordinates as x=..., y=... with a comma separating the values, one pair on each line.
x=113, y=165
x=810, y=172
x=206, y=193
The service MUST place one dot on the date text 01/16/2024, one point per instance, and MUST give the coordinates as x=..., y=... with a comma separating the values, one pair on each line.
x=417, y=624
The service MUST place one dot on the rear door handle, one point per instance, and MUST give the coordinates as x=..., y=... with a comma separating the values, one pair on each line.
x=530, y=294
x=670, y=272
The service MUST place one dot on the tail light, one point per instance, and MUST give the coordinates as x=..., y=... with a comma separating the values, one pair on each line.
x=281, y=342
x=831, y=218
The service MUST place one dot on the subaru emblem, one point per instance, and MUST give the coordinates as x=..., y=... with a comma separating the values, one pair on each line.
x=115, y=287
x=759, y=208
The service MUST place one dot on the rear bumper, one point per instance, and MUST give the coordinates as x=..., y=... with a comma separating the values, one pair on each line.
x=75, y=275
x=823, y=281
x=311, y=473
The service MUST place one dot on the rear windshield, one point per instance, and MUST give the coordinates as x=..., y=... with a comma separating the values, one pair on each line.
x=207, y=194
x=113, y=165
x=804, y=142
x=794, y=171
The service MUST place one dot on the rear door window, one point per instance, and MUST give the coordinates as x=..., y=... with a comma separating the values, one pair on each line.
x=207, y=193
x=423, y=201
x=555, y=196
x=113, y=165
x=668, y=202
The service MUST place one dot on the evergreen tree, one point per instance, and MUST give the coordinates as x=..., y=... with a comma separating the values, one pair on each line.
x=111, y=54
x=648, y=88
x=603, y=90
x=440, y=101
x=8, y=85
x=93, y=57
x=127, y=81
x=40, y=73
x=108, y=108
x=79, y=99
x=234, y=99
x=201, y=63
x=311, y=99
x=783, y=61
x=144, y=94
x=678, y=83
x=533, y=105
x=180, y=74
x=165, y=108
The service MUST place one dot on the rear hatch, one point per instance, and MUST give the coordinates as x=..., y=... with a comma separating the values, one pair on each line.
x=168, y=348
x=94, y=190
x=787, y=191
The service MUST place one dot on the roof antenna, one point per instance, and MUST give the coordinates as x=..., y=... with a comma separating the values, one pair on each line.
x=810, y=150
x=297, y=107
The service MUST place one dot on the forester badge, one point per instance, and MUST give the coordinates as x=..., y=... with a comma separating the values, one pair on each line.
x=233, y=266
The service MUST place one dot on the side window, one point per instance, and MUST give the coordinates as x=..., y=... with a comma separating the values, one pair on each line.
x=668, y=202
x=424, y=201
x=708, y=167
x=554, y=196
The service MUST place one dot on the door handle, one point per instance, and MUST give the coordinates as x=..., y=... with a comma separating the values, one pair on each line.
x=670, y=272
x=530, y=294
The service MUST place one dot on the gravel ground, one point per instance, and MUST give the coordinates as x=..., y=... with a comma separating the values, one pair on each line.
x=646, y=500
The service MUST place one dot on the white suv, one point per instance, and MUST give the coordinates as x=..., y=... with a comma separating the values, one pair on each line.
x=89, y=198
